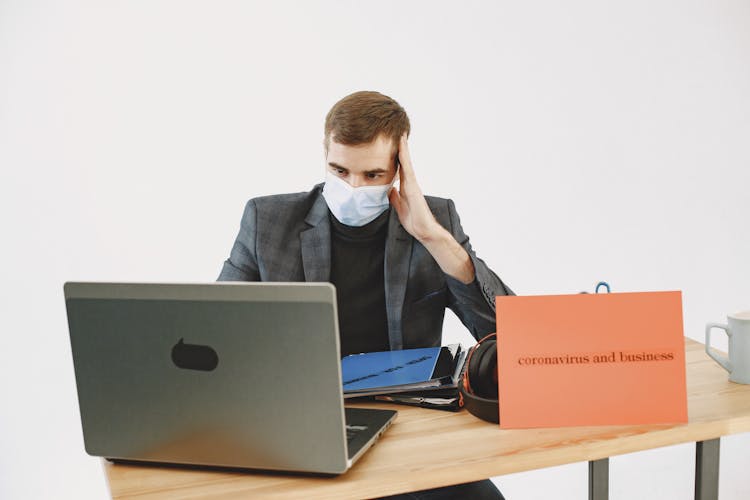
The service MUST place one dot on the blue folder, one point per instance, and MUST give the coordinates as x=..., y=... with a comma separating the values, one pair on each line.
x=384, y=369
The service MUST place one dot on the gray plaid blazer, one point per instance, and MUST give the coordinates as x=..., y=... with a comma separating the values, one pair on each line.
x=287, y=237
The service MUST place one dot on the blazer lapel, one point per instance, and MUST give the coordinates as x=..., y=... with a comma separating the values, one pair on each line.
x=398, y=247
x=315, y=243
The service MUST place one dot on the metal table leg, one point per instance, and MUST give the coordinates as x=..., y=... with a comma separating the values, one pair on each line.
x=707, y=470
x=599, y=479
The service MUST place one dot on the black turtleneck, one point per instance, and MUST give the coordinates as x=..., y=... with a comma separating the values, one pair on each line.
x=357, y=271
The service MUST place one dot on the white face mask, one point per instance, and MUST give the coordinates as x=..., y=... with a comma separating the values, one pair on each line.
x=355, y=206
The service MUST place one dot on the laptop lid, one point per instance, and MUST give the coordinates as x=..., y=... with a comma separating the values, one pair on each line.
x=223, y=374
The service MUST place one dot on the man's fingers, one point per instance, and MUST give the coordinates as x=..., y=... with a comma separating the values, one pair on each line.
x=405, y=159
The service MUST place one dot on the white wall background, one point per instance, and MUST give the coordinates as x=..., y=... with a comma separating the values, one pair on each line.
x=581, y=140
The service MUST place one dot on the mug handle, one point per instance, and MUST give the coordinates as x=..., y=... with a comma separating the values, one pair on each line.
x=724, y=362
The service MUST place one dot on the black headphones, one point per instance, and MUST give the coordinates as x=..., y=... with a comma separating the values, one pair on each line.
x=478, y=387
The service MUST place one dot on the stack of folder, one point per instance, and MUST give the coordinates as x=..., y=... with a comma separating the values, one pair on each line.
x=426, y=377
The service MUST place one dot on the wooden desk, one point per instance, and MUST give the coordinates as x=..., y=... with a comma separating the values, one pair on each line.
x=430, y=448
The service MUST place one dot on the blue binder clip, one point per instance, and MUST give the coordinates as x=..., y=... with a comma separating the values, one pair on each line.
x=599, y=285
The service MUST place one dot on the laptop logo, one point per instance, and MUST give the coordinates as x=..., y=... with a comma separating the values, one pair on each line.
x=194, y=356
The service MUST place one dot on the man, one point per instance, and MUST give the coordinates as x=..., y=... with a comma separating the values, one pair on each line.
x=395, y=269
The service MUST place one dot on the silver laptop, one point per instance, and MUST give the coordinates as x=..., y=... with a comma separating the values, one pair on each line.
x=223, y=374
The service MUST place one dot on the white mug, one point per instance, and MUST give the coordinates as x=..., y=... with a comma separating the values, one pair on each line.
x=738, y=331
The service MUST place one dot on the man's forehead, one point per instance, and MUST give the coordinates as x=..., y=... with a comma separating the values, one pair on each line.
x=376, y=155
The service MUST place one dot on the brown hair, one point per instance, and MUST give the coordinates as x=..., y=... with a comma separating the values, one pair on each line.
x=361, y=117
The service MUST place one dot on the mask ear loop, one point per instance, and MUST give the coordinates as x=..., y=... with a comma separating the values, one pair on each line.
x=397, y=175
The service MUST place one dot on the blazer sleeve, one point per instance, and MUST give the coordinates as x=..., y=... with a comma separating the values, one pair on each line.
x=474, y=304
x=242, y=264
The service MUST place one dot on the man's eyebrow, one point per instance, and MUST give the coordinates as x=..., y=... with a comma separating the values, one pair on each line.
x=373, y=171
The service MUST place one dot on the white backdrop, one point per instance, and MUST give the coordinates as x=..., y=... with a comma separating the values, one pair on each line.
x=580, y=140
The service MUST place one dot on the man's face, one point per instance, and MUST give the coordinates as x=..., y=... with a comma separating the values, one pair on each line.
x=371, y=164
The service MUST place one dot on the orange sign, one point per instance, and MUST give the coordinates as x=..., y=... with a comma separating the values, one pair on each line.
x=598, y=359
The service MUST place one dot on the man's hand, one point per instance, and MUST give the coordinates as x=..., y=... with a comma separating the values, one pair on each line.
x=418, y=221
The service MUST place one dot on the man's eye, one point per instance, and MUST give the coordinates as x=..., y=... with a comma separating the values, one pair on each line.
x=340, y=171
x=373, y=176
